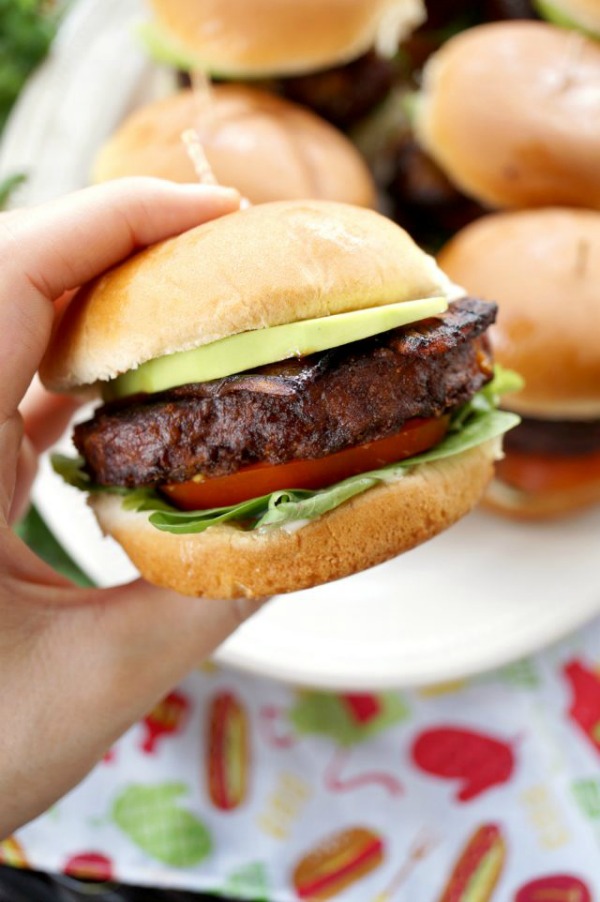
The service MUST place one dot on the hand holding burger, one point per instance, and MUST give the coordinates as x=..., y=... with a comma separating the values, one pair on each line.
x=291, y=396
x=79, y=665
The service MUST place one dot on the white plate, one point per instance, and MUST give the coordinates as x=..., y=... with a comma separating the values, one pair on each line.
x=484, y=593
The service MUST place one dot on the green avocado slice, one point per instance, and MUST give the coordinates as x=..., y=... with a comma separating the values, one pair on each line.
x=249, y=350
x=167, y=50
x=559, y=17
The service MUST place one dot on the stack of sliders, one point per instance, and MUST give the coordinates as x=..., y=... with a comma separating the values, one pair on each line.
x=264, y=145
x=315, y=398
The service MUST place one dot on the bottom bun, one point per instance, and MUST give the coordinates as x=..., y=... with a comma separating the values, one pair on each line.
x=502, y=498
x=226, y=562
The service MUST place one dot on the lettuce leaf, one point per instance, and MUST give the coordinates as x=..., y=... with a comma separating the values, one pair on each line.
x=474, y=423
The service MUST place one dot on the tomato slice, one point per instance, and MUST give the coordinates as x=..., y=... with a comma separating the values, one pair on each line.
x=545, y=473
x=260, y=479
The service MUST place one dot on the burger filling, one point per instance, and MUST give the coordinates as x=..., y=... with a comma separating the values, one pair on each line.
x=551, y=455
x=297, y=438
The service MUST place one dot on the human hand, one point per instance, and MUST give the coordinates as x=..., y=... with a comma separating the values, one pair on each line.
x=78, y=666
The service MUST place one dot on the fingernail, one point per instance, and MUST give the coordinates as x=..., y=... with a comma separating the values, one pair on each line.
x=222, y=191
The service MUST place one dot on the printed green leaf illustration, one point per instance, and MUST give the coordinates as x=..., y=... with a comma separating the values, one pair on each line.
x=587, y=796
x=248, y=882
x=153, y=820
x=348, y=719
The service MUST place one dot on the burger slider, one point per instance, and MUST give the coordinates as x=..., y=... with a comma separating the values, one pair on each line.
x=266, y=147
x=238, y=39
x=511, y=112
x=292, y=394
x=543, y=267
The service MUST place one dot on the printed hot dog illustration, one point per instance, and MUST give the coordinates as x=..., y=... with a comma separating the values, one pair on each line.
x=228, y=752
x=585, y=704
x=478, y=869
x=555, y=888
x=168, y=717
x=12, y=853
x=336, y=863
x=452, y=753
x=89, y=866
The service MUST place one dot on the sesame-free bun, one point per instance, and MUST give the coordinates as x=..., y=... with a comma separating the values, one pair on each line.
x=543, y=269
x=511, y=113
x=225, y=562
x=266, y=147
x=254, y=38
x=268, y=265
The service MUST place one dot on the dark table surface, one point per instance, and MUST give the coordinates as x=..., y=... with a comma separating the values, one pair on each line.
x=27, y=886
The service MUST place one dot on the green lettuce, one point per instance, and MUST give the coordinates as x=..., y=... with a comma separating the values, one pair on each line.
x=474, y=423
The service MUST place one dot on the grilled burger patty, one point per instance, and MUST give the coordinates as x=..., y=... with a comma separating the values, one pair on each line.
x=298, y=409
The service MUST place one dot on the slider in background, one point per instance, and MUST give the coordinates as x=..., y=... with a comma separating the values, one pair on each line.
x=511, y=113
x=265, y=146
x=543, y=269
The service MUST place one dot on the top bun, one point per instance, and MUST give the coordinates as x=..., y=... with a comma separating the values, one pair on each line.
x=266, y=147
x=511, y=112
x=265, y=266
x=543, y=269
x=584, y=14
x=254, y=38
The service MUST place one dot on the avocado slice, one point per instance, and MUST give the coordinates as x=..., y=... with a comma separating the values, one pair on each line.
x=557, y=16
x=249, y=350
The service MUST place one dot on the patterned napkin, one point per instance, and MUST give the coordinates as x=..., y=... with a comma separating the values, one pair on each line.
x=480, y=790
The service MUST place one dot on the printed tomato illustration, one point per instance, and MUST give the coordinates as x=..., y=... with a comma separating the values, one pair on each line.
x=336, y=863
x=168, y=717
x=555, y=888
x=585, y=704
x=478, y=761
x=479, y=867
x=228, y=753
x=89, y=866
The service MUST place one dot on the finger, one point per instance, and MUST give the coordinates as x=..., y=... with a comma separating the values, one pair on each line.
x=48, y=250
x=27, y=465
x=46, y=416
x=11, y=434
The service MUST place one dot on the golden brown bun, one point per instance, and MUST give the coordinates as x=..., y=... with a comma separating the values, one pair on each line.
x=511, y=502
x=511, y=112
x=248, y=38
x=543, y=269
x=271, y=264
x=266, y=147
x=224, y=562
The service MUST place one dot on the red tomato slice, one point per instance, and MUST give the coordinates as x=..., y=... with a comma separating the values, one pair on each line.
x=544, y=473
x=260, y=479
